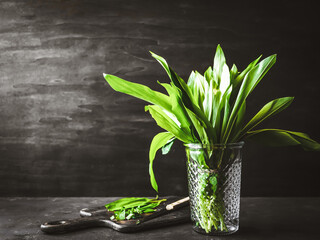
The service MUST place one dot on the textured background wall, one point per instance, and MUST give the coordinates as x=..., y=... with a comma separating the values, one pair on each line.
x=64, y=132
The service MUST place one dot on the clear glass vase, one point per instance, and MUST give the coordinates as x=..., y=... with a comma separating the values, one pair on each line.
x=214, y=177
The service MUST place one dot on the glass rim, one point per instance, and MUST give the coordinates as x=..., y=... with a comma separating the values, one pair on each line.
x=218, y=145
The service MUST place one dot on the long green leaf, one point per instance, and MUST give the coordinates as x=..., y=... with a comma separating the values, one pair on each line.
x=200, y=89
x=208, y=74
x=179, y=110
x=192, y=84
x=221, y=112
x=241, y=76
x=127, y=203
x=236, y=82
x=236, y=130
x=226, y=110
x=158, y=142
x=279, y=137
x=219, y=62
x=199, y=126
x=165, y=122
x=225, y=79
x=187, y=96
x=177, y=106
x=251, y=80
x=208, y=102
x=268, y=110
x=139, y=91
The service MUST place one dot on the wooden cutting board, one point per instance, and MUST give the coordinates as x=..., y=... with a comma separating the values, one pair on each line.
x=100, y=217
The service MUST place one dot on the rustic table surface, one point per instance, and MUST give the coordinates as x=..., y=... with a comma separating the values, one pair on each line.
x=260, y=218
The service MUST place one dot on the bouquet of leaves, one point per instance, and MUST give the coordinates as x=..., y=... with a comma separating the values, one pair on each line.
x=210, y=108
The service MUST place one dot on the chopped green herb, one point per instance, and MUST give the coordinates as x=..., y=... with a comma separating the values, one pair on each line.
x=132, y=208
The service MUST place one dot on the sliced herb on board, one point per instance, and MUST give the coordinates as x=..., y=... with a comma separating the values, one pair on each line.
x=132, y=207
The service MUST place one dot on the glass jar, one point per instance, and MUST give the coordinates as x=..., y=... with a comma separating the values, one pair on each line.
x=214, y=177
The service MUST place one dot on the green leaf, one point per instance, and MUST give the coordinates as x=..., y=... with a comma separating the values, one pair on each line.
x=268, y=110
x=236, y=130
x=241, y=76
x=179, y=110
x=194, y=89
x=191, y=82
x=221, y=112
x=187, y=97
x=149, y=210
x=200, y=88
x=209, y=128
x=208, y=74
x=279, y=137
x=214, y=183
x=177, y=81
x=165, y=122
x=126, y=203
x=158, y=142
x=226, y=109
x=218, y=64
x=233, y=73
x=208, y=104
x=225, y=79
x=128, y=208
x=217, y=105
x=167, y=147
x=254, y=76
x=177, y=106
x=250, y=81
x=139, y=91
x=199, y=126
x=236, y=82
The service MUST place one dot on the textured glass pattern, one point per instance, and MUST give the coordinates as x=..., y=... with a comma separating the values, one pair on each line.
x=214, y=177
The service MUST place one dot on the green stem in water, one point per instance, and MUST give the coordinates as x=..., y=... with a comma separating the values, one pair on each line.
x=211, y=205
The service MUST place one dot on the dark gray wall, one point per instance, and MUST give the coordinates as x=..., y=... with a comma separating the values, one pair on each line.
x=64, y=132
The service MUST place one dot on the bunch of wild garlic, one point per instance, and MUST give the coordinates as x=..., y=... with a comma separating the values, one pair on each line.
x=210, y=108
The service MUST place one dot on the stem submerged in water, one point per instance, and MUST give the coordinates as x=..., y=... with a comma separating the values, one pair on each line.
x=211, y=205
x=214, y=175
x=211, y=192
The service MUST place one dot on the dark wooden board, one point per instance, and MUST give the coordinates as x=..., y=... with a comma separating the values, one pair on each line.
x=100, y=217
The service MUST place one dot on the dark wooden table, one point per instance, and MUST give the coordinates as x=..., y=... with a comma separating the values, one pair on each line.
x=260, y=218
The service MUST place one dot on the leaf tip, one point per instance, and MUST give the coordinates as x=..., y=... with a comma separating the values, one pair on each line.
x=152, y=53
x=258, y=59
x=155, y=186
